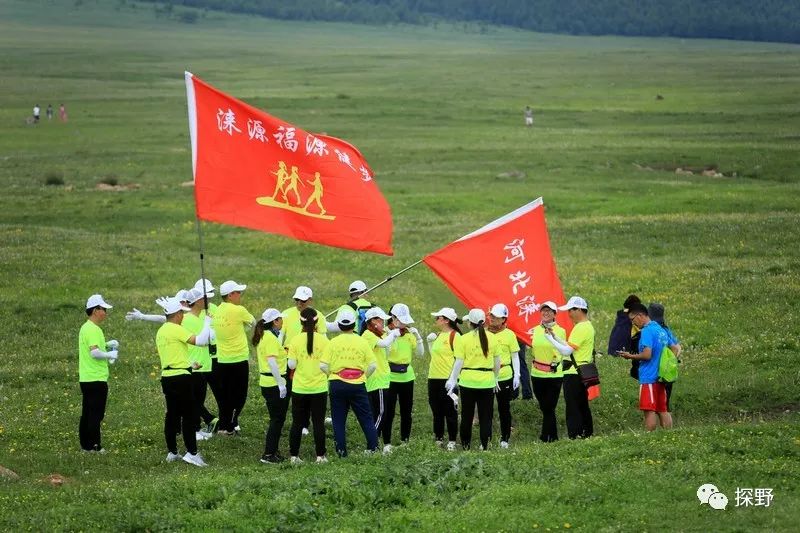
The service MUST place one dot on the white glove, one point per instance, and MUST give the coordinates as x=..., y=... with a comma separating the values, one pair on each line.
x=282, y=389
x=113, y=355
x=432, y=337
x=134, y=315
x=450, y=385
x=112, y=344
x=415, y=332
x=497, y=386
x=515, y=382
x=394, y=332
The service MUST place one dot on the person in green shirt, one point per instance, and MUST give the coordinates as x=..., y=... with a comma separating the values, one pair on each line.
x=379, y=340
x=193, y=321
x=441, y=347
x=173, y=341
x=94, y=356
x=546, y=374
x=580, y=349
x=508, y=379
x=275, y=387
x=309, y=386
x=303, y=298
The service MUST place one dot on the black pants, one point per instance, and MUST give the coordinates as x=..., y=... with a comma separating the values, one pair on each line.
x=484, y=400
x=579, y=416
x=443, y=409
x=307, y=407
x=504, y=407
x=277, y=407
x=404, y=392
x=233, y=392
x=547, y=391
x=181, y=412
x=199, y=389
x=377, y=402
x=93, y=410
x=214, y=383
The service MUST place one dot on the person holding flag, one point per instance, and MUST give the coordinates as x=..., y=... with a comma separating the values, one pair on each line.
x=358, y=304
x=546, y=373
x=441, y=347
x=379, y=341
x=200, y=360
x=508, y=379
x=275, y=388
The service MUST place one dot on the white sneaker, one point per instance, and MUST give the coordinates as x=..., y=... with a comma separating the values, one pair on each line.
x=171, y=457
x=328, y=420
x=295, y=460
x=237, y=429
x=439, y=443
x=451, y=446
x=503, y=444
x=387, y=448
x=199, y=435
x=194, y=459
x=304, y=432
x=322, y=459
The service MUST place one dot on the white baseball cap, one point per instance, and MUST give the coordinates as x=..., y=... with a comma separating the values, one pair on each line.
x=447, y=312
x=550, y=305
x=575, y=301
x=499, y=310
x=192, y=295
x=346, y=317
x=171, y=305
x=475, y=316
x=182, y=295
x=271, y=314
x=402, y=313
x=97, y=300
x=209, y=287
x=303, y=293
x=358, y=286
x=230, y=286
x=376, y=312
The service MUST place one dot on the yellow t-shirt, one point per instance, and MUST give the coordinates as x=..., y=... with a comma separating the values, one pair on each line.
x=478, y=369
x=401, y=352
x=308, y=378
x=545, y=353
x=442, y=357
x=199, y=354
x=380, y=378
x=270, y=347
x=292, y=325
x=507, y=344
x=229, y=322
x=89, y=368
x=173, y=349
x=582, y=341
x=348, y=350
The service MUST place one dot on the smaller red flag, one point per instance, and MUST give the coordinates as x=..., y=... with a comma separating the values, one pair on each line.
x=260, y=172
x=507, y=261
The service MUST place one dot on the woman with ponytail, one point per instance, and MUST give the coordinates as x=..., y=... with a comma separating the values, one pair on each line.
x=272, y=379
x=441, y=347
x=477, y=354
x=309, y=385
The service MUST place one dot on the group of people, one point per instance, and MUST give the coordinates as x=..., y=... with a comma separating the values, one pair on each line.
x=37, y=113
x=367, y=367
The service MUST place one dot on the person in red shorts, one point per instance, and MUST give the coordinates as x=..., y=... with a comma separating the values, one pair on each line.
x=652, y=394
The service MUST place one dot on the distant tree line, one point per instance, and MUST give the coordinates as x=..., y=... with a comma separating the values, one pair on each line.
x=754, y=20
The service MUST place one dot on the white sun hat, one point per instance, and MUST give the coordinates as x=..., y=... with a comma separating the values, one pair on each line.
x=271, y=314
x=230, y=286
x=575, y=301
x=358, y=286
x=402, y=313
x=346, y=317
x=376, y=312
x=475, y=316
x=303, y=293
x=499, y=310
x=447, y=312
x=192, y=295
x=209, y=287
x=171, y=305
x=96, y=300
x=550, y=305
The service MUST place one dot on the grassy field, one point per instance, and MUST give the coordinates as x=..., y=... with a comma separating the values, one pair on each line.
x=438, y=114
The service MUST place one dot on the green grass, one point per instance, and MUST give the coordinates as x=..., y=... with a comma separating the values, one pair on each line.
x=438, y=115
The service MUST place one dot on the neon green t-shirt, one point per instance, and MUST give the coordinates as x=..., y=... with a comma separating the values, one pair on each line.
x=478, y=369
x=308, y=378
x=348, y=351
x=198, y=354
x=442, y=357
x=292, y=325
x=582, y=341
x=173, y=350
x=89, y=368
x=401, y=352
x=545, y=353
x=507, y=344
x=229, y=322
x=270, y=347
x=380, y=378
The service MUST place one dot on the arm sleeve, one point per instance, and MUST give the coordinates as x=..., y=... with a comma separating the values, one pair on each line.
x=370, y=369
x=203, y=338
x=97, y=353
x=387, y=341
x=420, y=346
x=457, y=366
x=515, y=363
x=273, y=368
x=563, y=349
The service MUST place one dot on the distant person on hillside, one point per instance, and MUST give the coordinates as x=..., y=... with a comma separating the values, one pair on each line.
x=656, y=311
x=62, y=113
x=528, y=116
x=49, y=111
x=37, y=111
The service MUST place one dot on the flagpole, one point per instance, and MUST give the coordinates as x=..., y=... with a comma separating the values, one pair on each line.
x=202, y=268
x=387, y=280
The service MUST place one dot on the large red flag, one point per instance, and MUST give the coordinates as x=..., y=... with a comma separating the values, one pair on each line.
x=257, y=171
x=507, y=261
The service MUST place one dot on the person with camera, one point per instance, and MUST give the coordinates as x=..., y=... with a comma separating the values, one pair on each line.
x=546, y=373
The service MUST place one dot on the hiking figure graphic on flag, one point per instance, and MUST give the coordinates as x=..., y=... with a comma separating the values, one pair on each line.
x=280, y=198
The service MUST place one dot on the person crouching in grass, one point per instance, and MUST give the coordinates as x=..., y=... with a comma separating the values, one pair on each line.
x=172, y=341
x=652, y=394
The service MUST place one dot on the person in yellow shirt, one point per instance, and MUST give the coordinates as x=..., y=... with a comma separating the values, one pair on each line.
x=580, y=347
x=172, y=342
x=478, y=355
x=508, y=379
x=348, y=361
x=275, y=388
x=233, y=352
x=441, y=347
x=309, y=386
x=379, y=341
x=212, y=377
x=94, y=356
x=546, y=374
x=303, y=298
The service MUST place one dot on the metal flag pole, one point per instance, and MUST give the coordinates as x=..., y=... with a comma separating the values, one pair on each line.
x=387, y=280
x=202, y=268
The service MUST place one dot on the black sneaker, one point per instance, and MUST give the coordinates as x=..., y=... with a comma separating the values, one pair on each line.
x=271, y=459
